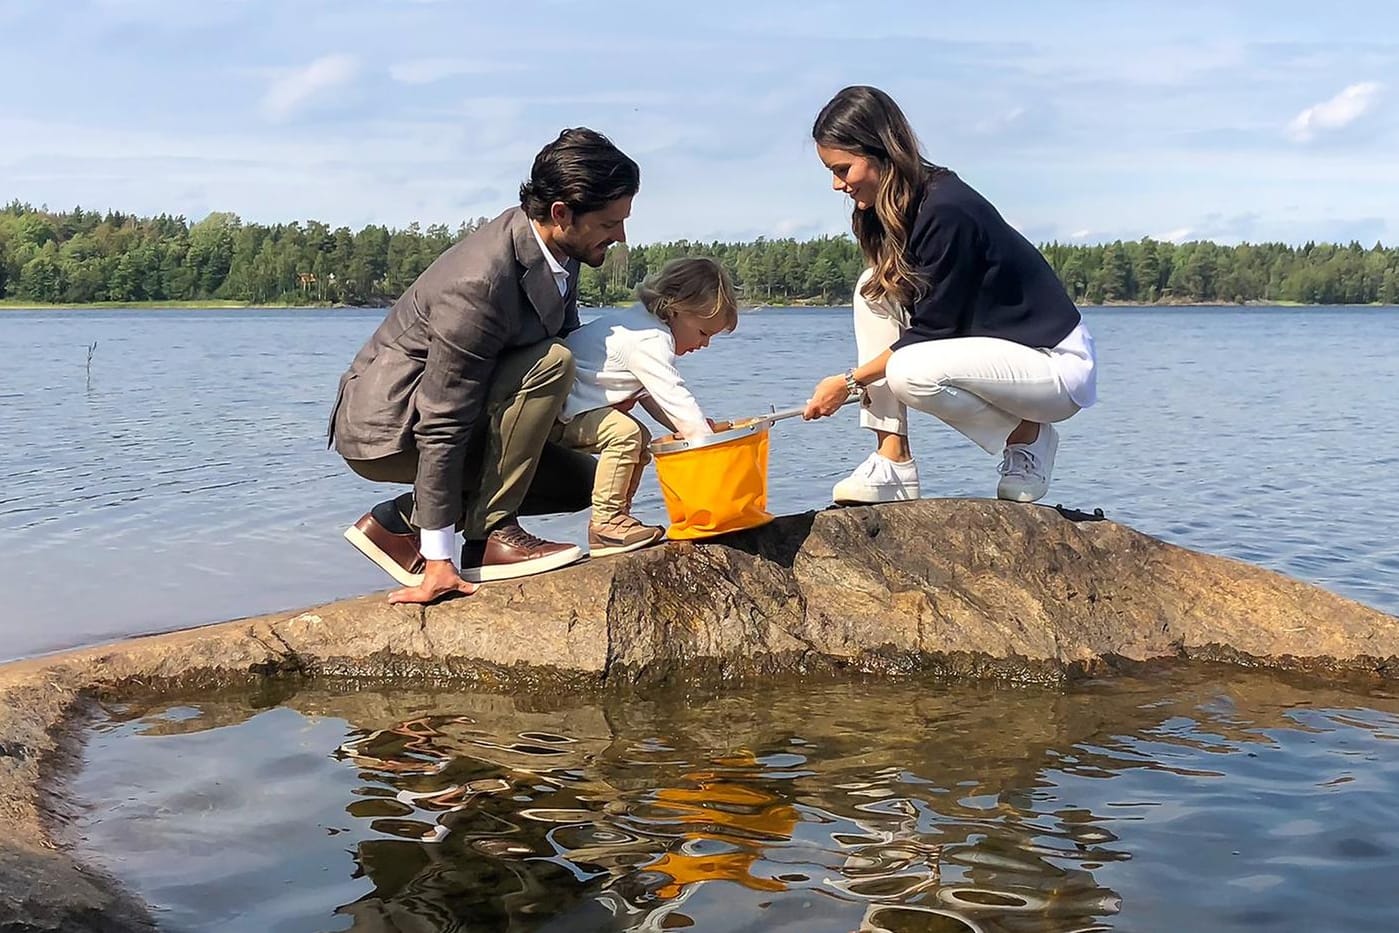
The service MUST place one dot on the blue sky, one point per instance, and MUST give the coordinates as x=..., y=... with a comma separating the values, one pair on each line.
x=1082, y=120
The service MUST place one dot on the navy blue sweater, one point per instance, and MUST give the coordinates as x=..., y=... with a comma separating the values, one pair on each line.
x=981, y=277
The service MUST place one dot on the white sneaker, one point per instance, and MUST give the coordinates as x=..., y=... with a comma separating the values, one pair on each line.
x=878, y=479
x=1026, y=468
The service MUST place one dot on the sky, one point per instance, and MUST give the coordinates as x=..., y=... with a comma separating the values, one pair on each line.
x=1082, y=120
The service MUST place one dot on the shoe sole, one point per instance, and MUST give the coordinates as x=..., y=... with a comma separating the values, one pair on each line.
x=524, y=568
x=385, y=563
x=612, y=549
x=1021, y=497
x=874, y=501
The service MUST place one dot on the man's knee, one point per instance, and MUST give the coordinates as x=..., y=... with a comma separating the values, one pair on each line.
x=557, y=362
x=544, y=368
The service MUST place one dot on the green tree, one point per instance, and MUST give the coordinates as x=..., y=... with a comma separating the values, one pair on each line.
x=1116, y=273
x=1389, y=288
x=41, y=279
x=210, y=254
x=1147, y=271
x=1074, y=276
x=122, y=285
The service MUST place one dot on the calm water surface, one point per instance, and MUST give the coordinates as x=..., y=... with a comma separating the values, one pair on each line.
x=184, y=477
x=1200, y=800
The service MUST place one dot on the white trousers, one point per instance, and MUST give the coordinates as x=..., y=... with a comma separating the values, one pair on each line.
x=982, y=386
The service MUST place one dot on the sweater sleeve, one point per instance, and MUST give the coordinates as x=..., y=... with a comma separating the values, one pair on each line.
x=946, y=256
x=652, y=360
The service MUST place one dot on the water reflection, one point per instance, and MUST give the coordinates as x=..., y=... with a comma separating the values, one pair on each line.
x=900, y=808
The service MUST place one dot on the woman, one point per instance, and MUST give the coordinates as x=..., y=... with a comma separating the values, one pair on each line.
x=958, y=315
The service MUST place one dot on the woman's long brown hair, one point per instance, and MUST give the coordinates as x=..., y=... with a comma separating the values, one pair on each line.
x=866, y=121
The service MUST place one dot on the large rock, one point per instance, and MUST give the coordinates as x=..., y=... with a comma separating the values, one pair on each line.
x=971, y=587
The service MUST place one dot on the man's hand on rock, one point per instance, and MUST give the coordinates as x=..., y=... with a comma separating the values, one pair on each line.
x=440, y=578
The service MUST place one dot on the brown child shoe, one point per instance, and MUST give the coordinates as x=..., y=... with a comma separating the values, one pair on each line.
x=620, y=534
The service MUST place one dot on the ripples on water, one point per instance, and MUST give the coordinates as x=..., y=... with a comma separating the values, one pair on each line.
x=1203, y=799
x=187, y=481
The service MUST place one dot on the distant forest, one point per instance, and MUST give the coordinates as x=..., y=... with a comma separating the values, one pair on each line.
x=79, y=256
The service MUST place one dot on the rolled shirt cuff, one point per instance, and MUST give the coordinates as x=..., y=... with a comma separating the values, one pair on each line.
x=438, y=543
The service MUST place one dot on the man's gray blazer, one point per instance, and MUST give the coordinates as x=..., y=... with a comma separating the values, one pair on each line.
x=421, y=380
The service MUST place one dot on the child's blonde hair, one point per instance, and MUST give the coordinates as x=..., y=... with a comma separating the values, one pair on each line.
x=697, y=286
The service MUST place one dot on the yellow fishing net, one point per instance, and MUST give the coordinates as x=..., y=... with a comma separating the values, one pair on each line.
x=714, y=490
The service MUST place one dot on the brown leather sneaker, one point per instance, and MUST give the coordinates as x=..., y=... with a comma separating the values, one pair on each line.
x=620, y=534
x=509, y=551
x=384, y=536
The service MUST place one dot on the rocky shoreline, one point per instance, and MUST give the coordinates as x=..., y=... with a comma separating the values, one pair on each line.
x=969, y=588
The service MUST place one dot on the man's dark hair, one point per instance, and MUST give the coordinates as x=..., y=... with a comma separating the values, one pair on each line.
x=583, y=170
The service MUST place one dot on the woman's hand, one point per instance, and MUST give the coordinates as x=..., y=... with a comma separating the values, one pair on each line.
x=829, y=395
x=440, y=578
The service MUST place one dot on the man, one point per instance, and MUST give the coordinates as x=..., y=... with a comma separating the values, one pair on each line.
x=457, y=390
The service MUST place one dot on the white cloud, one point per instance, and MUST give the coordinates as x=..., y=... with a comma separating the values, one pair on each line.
x=1000, y=123
x=293, y=90
x=1080, y=234
x=1342, y=110
x=1178, y=235
x=797, y=228
x=431, y=70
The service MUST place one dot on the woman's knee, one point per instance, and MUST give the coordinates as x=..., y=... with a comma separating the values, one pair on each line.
x=929, y=390
x=901, y=377
x=879, y=307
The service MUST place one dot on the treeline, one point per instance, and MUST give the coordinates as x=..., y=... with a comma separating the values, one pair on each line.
x=1153, y=271
x=79, y=256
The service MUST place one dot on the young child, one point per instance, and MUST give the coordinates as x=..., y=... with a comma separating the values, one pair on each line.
x=628, y=356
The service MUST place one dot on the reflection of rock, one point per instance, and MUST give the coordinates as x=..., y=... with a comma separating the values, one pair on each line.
x=970, y=587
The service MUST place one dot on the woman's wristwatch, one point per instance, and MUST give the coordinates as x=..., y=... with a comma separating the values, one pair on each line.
x=851, y=385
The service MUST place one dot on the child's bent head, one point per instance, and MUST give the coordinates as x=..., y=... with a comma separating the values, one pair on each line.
x=695, y=297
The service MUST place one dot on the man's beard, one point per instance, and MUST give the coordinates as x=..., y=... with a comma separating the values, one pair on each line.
x=584, y=255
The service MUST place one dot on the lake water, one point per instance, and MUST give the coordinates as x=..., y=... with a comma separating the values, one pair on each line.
x=183, y=478
x=1201, y=800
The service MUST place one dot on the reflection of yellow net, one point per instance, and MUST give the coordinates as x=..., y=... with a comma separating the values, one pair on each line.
x=714, y=490
x=746, y=817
